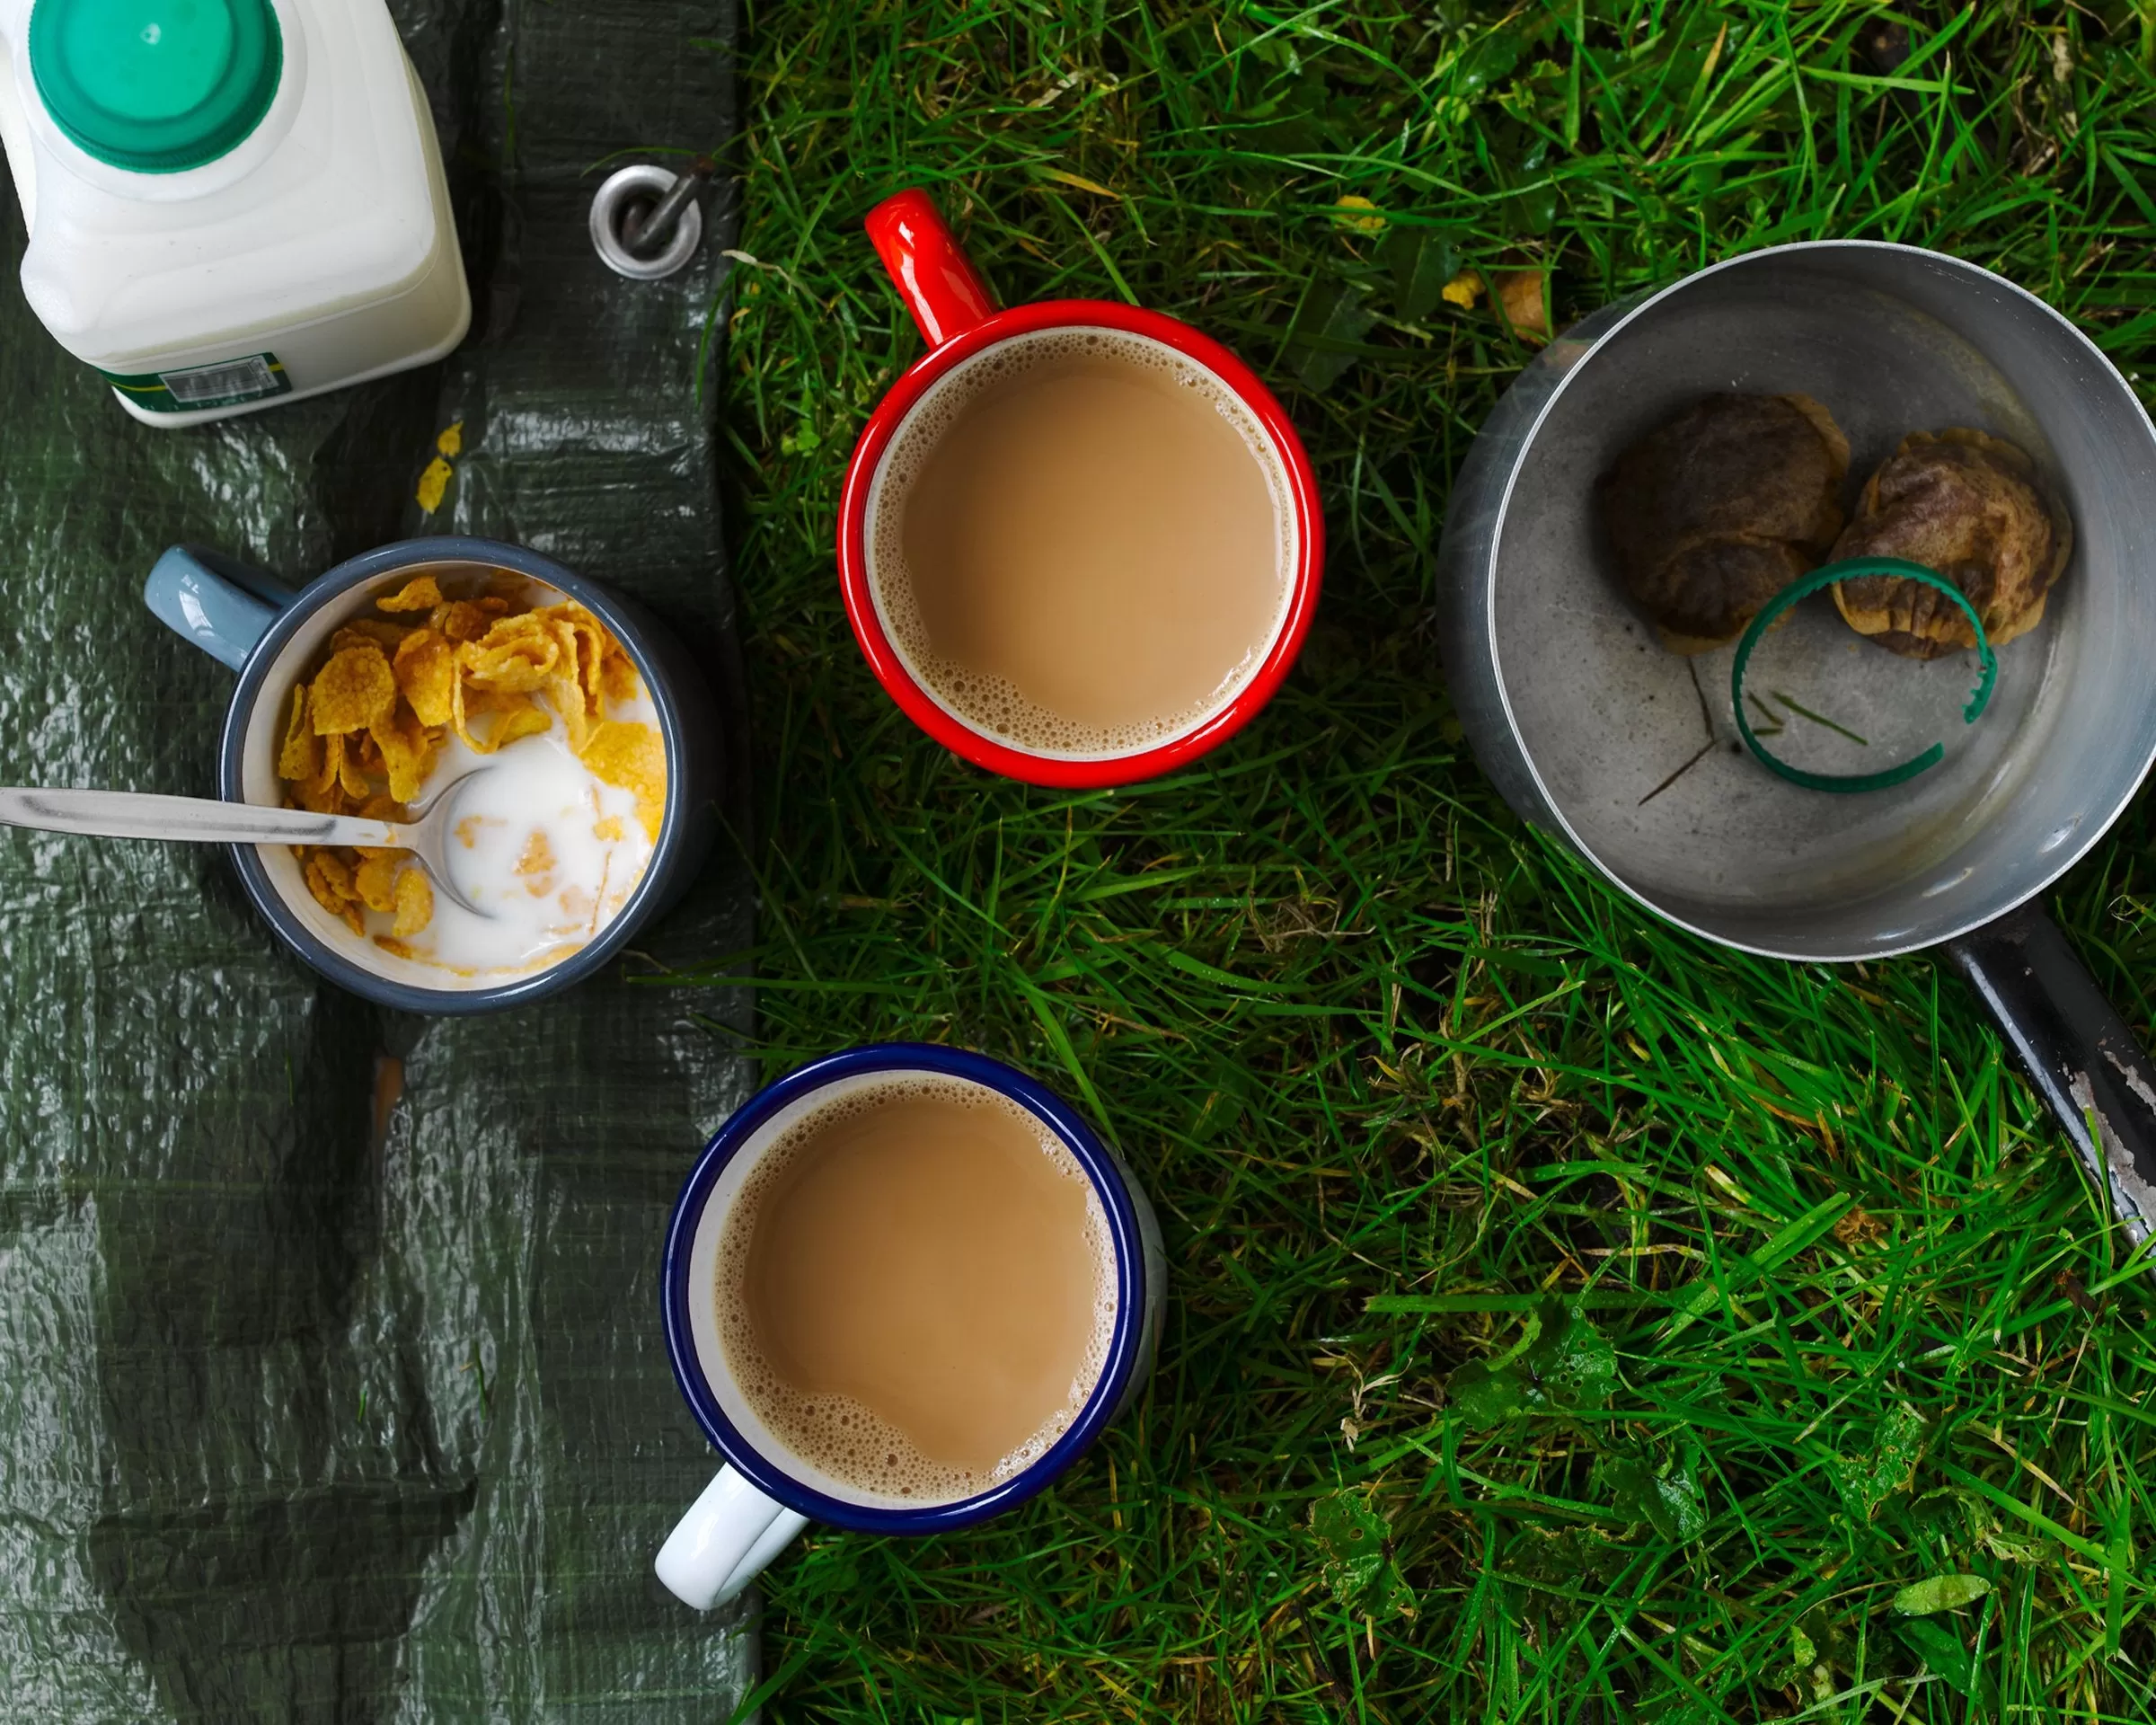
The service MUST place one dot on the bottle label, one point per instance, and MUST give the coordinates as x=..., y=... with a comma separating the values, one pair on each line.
x=227, y=384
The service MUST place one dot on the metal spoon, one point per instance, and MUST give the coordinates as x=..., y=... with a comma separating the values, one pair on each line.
x=205, y=821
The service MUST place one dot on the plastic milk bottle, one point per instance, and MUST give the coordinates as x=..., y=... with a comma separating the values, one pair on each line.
x=230, y=202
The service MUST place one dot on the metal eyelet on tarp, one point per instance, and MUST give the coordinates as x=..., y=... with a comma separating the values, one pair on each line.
x=646, y=223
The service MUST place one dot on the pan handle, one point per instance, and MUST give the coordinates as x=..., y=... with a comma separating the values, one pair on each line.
x=2075, y=1048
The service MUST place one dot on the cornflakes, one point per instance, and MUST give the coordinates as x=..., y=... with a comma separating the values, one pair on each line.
x=526, y=720
x=415, y=904
x=375, y=881
x=590, y=643
x=515, y=716
x=296, y=758
x=406, y=754
x=515, y=657
x=356, y=689
x=352, y=777
x=536, y=865
x=467, y=619
x=331, y=881
x=365, y=732
x=421, y=595
x=323, y=794
x=617, y=674
x=633, y=756
x=360, y=631
x=425, y=668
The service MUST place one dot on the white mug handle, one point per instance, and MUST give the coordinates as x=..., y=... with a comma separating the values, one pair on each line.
x=730, y=1534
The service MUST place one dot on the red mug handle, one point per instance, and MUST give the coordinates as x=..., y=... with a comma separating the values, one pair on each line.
x=927, y=267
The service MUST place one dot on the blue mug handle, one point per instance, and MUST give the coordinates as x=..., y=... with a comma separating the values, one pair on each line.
x=222, y=604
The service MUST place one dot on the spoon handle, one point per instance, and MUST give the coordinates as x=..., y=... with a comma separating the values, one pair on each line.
x=131, y=814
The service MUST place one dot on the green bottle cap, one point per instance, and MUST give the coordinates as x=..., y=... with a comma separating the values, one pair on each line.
x=155, y=85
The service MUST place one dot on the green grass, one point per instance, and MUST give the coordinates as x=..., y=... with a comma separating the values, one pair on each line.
x=1393, y=1068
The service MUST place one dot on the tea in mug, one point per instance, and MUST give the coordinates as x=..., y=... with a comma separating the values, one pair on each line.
x=916, y=1290
x=1081, y=543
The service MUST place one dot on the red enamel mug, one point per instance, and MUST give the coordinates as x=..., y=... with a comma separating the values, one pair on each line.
x=960, y=323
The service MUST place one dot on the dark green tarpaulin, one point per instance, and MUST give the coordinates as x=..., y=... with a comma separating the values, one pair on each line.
x=308, y=1413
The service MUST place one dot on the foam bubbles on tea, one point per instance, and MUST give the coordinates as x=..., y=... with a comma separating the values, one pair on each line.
x=1081, y=543
x=916, y=1290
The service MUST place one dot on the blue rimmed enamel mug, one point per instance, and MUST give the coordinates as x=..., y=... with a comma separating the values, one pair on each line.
x=270, y=634
x=766, y=1494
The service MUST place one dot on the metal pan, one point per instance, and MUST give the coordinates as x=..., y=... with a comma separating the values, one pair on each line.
x=1578, y=713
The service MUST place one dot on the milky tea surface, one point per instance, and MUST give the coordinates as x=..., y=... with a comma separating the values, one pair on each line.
x=1081, y=543
x=916, y=1290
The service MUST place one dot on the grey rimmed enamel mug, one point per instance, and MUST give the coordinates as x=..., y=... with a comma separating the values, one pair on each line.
x=270, y=633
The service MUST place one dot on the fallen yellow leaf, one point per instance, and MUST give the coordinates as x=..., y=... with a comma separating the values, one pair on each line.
x=1463, y=290
x=1358, y=215
x=1521, y=290
x=433, y=483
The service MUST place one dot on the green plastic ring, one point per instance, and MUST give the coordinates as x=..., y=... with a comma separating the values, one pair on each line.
x=1849, y=569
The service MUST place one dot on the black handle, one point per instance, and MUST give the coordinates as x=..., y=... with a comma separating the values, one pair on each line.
x=2075, y=1048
